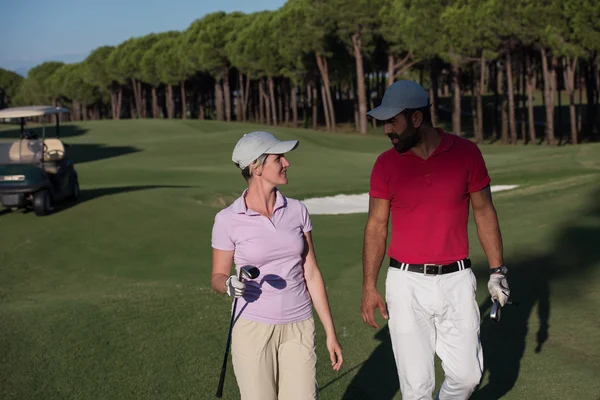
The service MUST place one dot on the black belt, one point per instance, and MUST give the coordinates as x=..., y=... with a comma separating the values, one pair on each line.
x=432, y=269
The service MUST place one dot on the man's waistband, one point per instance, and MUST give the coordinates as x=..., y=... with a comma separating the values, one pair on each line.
x=432, y=269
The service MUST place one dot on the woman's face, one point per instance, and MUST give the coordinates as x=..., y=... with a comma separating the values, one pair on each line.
x=274, y=169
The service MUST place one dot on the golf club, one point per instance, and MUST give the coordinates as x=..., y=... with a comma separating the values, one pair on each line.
x=249, y=272
x=495, y=311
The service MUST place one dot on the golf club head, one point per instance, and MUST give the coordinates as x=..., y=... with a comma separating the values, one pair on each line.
x=495, y=312
x=249, y=272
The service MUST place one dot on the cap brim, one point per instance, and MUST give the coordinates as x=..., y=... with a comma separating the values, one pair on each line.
x=283, y=147
x=384, y=113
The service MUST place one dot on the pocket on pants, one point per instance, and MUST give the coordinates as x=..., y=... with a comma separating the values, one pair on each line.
x=249, y=338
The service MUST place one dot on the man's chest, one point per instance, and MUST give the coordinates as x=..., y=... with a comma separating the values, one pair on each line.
x=417, y=182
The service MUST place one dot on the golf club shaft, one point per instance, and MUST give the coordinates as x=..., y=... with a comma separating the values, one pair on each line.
x=226, y=356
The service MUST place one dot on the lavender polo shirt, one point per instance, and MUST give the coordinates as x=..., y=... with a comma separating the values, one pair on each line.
x=279, y=295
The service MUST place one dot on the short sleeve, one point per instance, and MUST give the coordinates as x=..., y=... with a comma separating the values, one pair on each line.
x=306, y=222
x=478, y=174
x=378, y=186
x=221, y=239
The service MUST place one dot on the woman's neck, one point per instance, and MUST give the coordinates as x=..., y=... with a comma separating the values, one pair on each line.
x=261, y=197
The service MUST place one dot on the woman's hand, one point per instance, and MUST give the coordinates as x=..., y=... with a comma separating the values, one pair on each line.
x=335, y=352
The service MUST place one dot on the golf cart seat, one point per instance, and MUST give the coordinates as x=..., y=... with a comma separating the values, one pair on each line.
x=25, y=151
x=29, y=151
x=54, y=151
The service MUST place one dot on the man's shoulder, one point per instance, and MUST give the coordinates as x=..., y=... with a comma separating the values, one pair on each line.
x=387, y=155
x=462, y=144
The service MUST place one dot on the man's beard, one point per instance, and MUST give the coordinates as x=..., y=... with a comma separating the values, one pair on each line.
x=409, y=139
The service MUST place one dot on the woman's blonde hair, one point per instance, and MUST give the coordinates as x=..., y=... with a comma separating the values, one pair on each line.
x=259, y=162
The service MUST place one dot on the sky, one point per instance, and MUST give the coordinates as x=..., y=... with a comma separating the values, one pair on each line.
x=34, y=31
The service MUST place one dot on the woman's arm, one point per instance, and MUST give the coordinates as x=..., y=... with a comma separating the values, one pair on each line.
x=221, y=269
x=316, y=288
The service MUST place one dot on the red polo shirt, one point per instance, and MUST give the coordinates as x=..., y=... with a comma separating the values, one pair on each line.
x=429, y=199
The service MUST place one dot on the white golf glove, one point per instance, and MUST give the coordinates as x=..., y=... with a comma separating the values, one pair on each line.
x=498, y=288
x=235, y=287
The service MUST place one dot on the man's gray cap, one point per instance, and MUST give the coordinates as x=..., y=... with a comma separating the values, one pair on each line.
x=401, y=95
x=254, y=144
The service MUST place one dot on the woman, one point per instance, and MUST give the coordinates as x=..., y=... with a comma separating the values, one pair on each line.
x=273, y=338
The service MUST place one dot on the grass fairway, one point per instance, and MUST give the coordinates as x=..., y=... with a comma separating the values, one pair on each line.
x=110, y=298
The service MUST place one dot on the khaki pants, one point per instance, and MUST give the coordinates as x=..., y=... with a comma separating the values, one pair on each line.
x=273, y=362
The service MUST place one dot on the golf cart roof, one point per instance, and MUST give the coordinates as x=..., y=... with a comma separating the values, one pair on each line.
x=31, y=111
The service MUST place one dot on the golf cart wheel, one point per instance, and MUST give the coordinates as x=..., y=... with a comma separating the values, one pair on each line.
x=75, y=192
x=41, y=202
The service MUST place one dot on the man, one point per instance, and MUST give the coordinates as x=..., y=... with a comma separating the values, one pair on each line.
x=426, y=182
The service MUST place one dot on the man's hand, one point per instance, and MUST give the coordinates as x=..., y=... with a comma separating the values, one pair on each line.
x=235, y=287
x=371, y=299
x=498, y=288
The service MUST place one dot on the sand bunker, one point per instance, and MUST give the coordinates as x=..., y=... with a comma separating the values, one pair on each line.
x=355, y=203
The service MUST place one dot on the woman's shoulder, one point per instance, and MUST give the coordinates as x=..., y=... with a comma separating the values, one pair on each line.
x=295, y=204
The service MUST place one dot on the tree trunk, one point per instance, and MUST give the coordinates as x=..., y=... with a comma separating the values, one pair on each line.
x=397, y=68
x=280, y=98
x=503, y=105
x=480, y=89
x=314, y=108
x=569, y=77
x=227, y=94
x=76, y=115
x=113, y=104
x=512, y=121
x=548, y=97
x=530, y=88
x=170, y=102
x=294, y=103
x=243, y=99
x=219, y=100
x=590, y=87
x=143, y=100
x=137, y=96
x=261, y=101
x=360, y=81
x=325, y=108
x=155, y=111
x=201, y=107
x=391, y=74
x=456, y=110
x=272, y=100
x=324, y=71
x=553, y=94
x=523, y=105
x=183, y=101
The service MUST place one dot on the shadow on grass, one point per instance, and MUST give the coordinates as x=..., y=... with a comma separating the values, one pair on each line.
x=575, y=252
x=82, y=153
x=92, y=194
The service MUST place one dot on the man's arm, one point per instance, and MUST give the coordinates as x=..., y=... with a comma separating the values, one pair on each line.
x=375, y=240
x=488, y=228
x=374, y=244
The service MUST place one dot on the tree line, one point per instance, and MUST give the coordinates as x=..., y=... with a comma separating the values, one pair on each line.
x=494, y=68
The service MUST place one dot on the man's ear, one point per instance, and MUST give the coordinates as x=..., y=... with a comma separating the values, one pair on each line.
x=417, y=119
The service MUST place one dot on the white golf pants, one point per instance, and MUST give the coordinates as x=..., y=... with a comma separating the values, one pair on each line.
x=434, y=314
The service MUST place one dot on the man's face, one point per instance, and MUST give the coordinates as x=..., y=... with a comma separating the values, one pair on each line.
x=401, y=131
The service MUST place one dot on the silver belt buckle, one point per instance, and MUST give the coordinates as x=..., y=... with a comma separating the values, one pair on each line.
x=432, y=265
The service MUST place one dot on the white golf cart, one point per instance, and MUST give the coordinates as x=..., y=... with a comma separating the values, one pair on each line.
x=34, y=172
